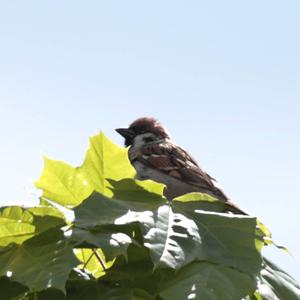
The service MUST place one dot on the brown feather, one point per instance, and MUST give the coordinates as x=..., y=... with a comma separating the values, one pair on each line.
x=173, y=161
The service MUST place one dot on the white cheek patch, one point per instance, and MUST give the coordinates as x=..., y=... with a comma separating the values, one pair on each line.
x=139, y=140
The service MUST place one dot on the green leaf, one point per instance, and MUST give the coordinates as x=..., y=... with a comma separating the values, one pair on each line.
x=41, y=262
x=112, y=244
x=48, y=294
x=226, y=239
x=275, y=284
x=103, y=160
x=136, y=190
x=18, y=224
x=42, y=211
x=10, y=289
x=173, y=239
x=98, y=210
x=201, y=280
x=15, y=225
x=46, y=217
x=202, y=201
x=147, y=247
x=78, y=290
x=15, y=213
x=178, y=234
x=69, y=186
x=137, y=271
x=90, y=262
x=63, y=184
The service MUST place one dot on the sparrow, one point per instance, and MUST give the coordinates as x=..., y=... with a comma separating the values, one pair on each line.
x=154, y=156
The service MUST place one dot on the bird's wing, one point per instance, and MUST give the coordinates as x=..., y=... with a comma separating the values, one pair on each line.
x=174, y=161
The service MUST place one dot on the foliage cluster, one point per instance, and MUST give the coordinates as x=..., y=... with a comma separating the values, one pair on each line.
x=100, y=234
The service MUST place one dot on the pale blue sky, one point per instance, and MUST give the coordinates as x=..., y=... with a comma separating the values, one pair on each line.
x=224, y=76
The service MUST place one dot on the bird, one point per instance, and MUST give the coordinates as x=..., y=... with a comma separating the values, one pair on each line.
x=155, y=156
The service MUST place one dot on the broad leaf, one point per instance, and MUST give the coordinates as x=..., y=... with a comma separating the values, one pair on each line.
x=63, y=183
x=209, y=282
x=41, y=262
x=226, y=239
x=136, y=190
x=172, y=238
x=112, y=244
x=48, y=294
x=81, y=290
x=90, y=261
x=147, y=247
x=11, y=290
x=16, y=225
x=275, y=284
x=78, y=290
x=103, y=160
x=202, y=201
x=177, y=234
x=46, y=217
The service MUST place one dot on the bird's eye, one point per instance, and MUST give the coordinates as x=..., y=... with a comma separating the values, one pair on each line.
x=148, y=139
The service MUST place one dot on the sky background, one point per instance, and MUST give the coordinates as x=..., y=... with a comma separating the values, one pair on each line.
x=223, y=76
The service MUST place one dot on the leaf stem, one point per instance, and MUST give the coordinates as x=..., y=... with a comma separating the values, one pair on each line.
x=102, y=263
x=88, y=260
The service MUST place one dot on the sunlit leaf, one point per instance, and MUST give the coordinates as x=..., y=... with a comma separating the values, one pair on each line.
x=63, y=183
x=90, y=261
x=135, y=190
x=104, y=160
x=16, y=225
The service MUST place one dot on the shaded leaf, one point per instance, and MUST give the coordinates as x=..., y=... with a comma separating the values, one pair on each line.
x=134, y=190
x=173, y=239
x=98, y=210
x=79, y=290
x=41, y=262
x=10, y=289
x=112, y=244
x=275, y=284
x=226, y=239
x=207, y=281
x=179, y=234
x=48, y=294
x=46, y=217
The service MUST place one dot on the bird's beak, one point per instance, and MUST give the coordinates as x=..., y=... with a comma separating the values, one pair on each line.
x=126, y=133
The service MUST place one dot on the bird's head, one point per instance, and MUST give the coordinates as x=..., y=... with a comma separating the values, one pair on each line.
x=143, y=131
